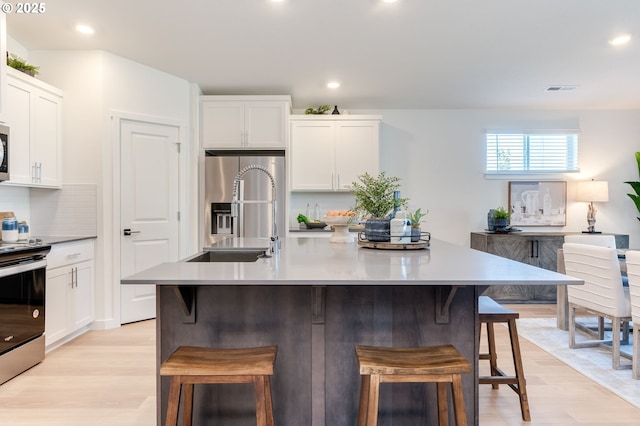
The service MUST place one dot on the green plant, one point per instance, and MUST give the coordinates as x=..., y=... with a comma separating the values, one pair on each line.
x=501, y=213
x=636, y=187
x=320, y=110
x=415, y=217
x=18, y=63
x=374, y=195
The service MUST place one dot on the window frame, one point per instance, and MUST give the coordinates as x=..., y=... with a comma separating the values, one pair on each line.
x=569, y=154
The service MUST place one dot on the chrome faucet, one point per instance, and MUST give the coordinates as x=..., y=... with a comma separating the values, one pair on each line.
x=274, y=245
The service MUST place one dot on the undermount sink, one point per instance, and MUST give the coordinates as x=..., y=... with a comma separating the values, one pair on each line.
x=228, y=256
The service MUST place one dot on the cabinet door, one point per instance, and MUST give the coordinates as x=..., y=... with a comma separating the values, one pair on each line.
x=19, y=117
x=265, y=124
x=47, y=138
x=312, y=157
x=514, y=248
x=57, y=310
x=83, y=295
x=356, y=145
x=222, y=124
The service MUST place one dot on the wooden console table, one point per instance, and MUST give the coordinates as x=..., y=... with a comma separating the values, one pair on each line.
x=534, y=248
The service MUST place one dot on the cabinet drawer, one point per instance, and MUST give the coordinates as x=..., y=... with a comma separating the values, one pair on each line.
x=68, y=253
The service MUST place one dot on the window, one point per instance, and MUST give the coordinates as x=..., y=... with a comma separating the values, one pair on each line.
x=531, y=153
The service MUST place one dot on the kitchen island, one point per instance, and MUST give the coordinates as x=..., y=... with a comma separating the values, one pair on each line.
x=316, y=300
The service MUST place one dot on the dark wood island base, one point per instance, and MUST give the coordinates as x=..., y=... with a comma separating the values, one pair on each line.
x=316, y=379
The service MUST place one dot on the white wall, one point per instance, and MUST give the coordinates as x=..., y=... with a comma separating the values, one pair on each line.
x=97, y=84
x=438, y=154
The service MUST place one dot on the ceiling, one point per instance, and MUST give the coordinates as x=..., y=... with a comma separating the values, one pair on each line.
x=410, y=54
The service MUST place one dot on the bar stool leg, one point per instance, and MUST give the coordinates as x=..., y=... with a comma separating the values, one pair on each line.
x=443, y=410
x=261, y=409
x=364, y=401
x=187, y=404
x=458, y=400
x=174, y=402
x=372, y=403
x=517, y=361
x=267, y=381
x=493, y=355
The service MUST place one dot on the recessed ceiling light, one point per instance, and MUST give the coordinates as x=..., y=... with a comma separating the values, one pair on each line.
x=621, y=39
x=389, y=1
x=84, y=29
x=333, y=85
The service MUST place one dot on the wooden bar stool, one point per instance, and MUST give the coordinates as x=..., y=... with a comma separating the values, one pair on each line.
x=491, y=312
x=190, y=365
x=439, y=364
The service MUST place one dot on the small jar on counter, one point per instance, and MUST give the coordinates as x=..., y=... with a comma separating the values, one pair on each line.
x=23, y=231
x=9, y=230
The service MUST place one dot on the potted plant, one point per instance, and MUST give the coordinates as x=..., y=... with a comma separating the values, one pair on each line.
x=20, y=64
x=375, y=199
x=501, y=219
x=415, y=224
x=636, y=187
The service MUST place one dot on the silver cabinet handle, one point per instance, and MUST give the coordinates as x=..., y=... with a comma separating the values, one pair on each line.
x=128, y=231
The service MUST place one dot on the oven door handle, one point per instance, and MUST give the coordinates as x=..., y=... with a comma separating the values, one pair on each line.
x=22, y=267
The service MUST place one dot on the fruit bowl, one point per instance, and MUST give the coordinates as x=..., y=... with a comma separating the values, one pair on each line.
x=338, y=220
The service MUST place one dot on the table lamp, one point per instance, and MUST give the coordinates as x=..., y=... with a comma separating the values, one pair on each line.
x=592, y=191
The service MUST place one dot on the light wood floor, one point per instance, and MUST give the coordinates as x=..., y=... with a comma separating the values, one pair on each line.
x=107, y=378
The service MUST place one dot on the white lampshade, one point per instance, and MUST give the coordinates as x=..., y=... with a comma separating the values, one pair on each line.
x=593, y=191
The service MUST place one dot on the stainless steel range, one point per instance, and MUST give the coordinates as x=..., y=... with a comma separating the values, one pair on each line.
x=22, y=294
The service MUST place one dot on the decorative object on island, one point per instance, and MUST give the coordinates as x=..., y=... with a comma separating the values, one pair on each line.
x=14, y=61
x=636, y=187
x=375, y=199
x=400, y=228
x=322, y=109
x=592, y=191
x=339, y=221
x=335, y=110
x=415, y=224
x=538, y=203
x=501, y=219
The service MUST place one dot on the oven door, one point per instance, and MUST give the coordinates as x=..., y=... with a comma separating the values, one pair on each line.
x=22, y=291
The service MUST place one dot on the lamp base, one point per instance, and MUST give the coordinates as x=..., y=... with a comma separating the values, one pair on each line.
x=592, y=232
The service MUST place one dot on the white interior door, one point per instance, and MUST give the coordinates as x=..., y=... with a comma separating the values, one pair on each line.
x=149, y=209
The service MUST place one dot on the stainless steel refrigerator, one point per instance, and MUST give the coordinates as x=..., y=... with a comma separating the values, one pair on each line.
x=255, y=213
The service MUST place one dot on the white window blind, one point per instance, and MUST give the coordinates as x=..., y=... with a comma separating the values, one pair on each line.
x=513, y=153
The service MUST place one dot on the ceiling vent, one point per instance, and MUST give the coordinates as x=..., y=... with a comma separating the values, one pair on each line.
x=561, y=88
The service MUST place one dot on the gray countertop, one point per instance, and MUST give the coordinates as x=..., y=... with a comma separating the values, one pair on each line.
x=63, y=239
x=316, y=261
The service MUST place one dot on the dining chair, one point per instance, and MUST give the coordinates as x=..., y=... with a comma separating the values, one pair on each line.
x=561, y=293
x=633, y=272
x=601, y=295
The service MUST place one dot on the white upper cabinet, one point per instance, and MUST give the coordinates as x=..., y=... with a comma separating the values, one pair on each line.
x=244, y=121
x=328, y=153
x=34, y=116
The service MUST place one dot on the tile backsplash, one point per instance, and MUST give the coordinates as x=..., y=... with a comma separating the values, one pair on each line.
x=70, y=211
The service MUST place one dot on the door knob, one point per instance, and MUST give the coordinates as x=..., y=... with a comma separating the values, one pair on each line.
x=128, y=231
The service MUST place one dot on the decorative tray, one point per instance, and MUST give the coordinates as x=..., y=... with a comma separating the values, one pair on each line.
x=423, y=243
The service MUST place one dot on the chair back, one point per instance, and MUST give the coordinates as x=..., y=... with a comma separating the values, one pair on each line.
x=599, y=268
x=633, y=272
x=594, y=240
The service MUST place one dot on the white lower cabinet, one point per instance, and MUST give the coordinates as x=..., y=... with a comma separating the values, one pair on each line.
x=69, y=303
